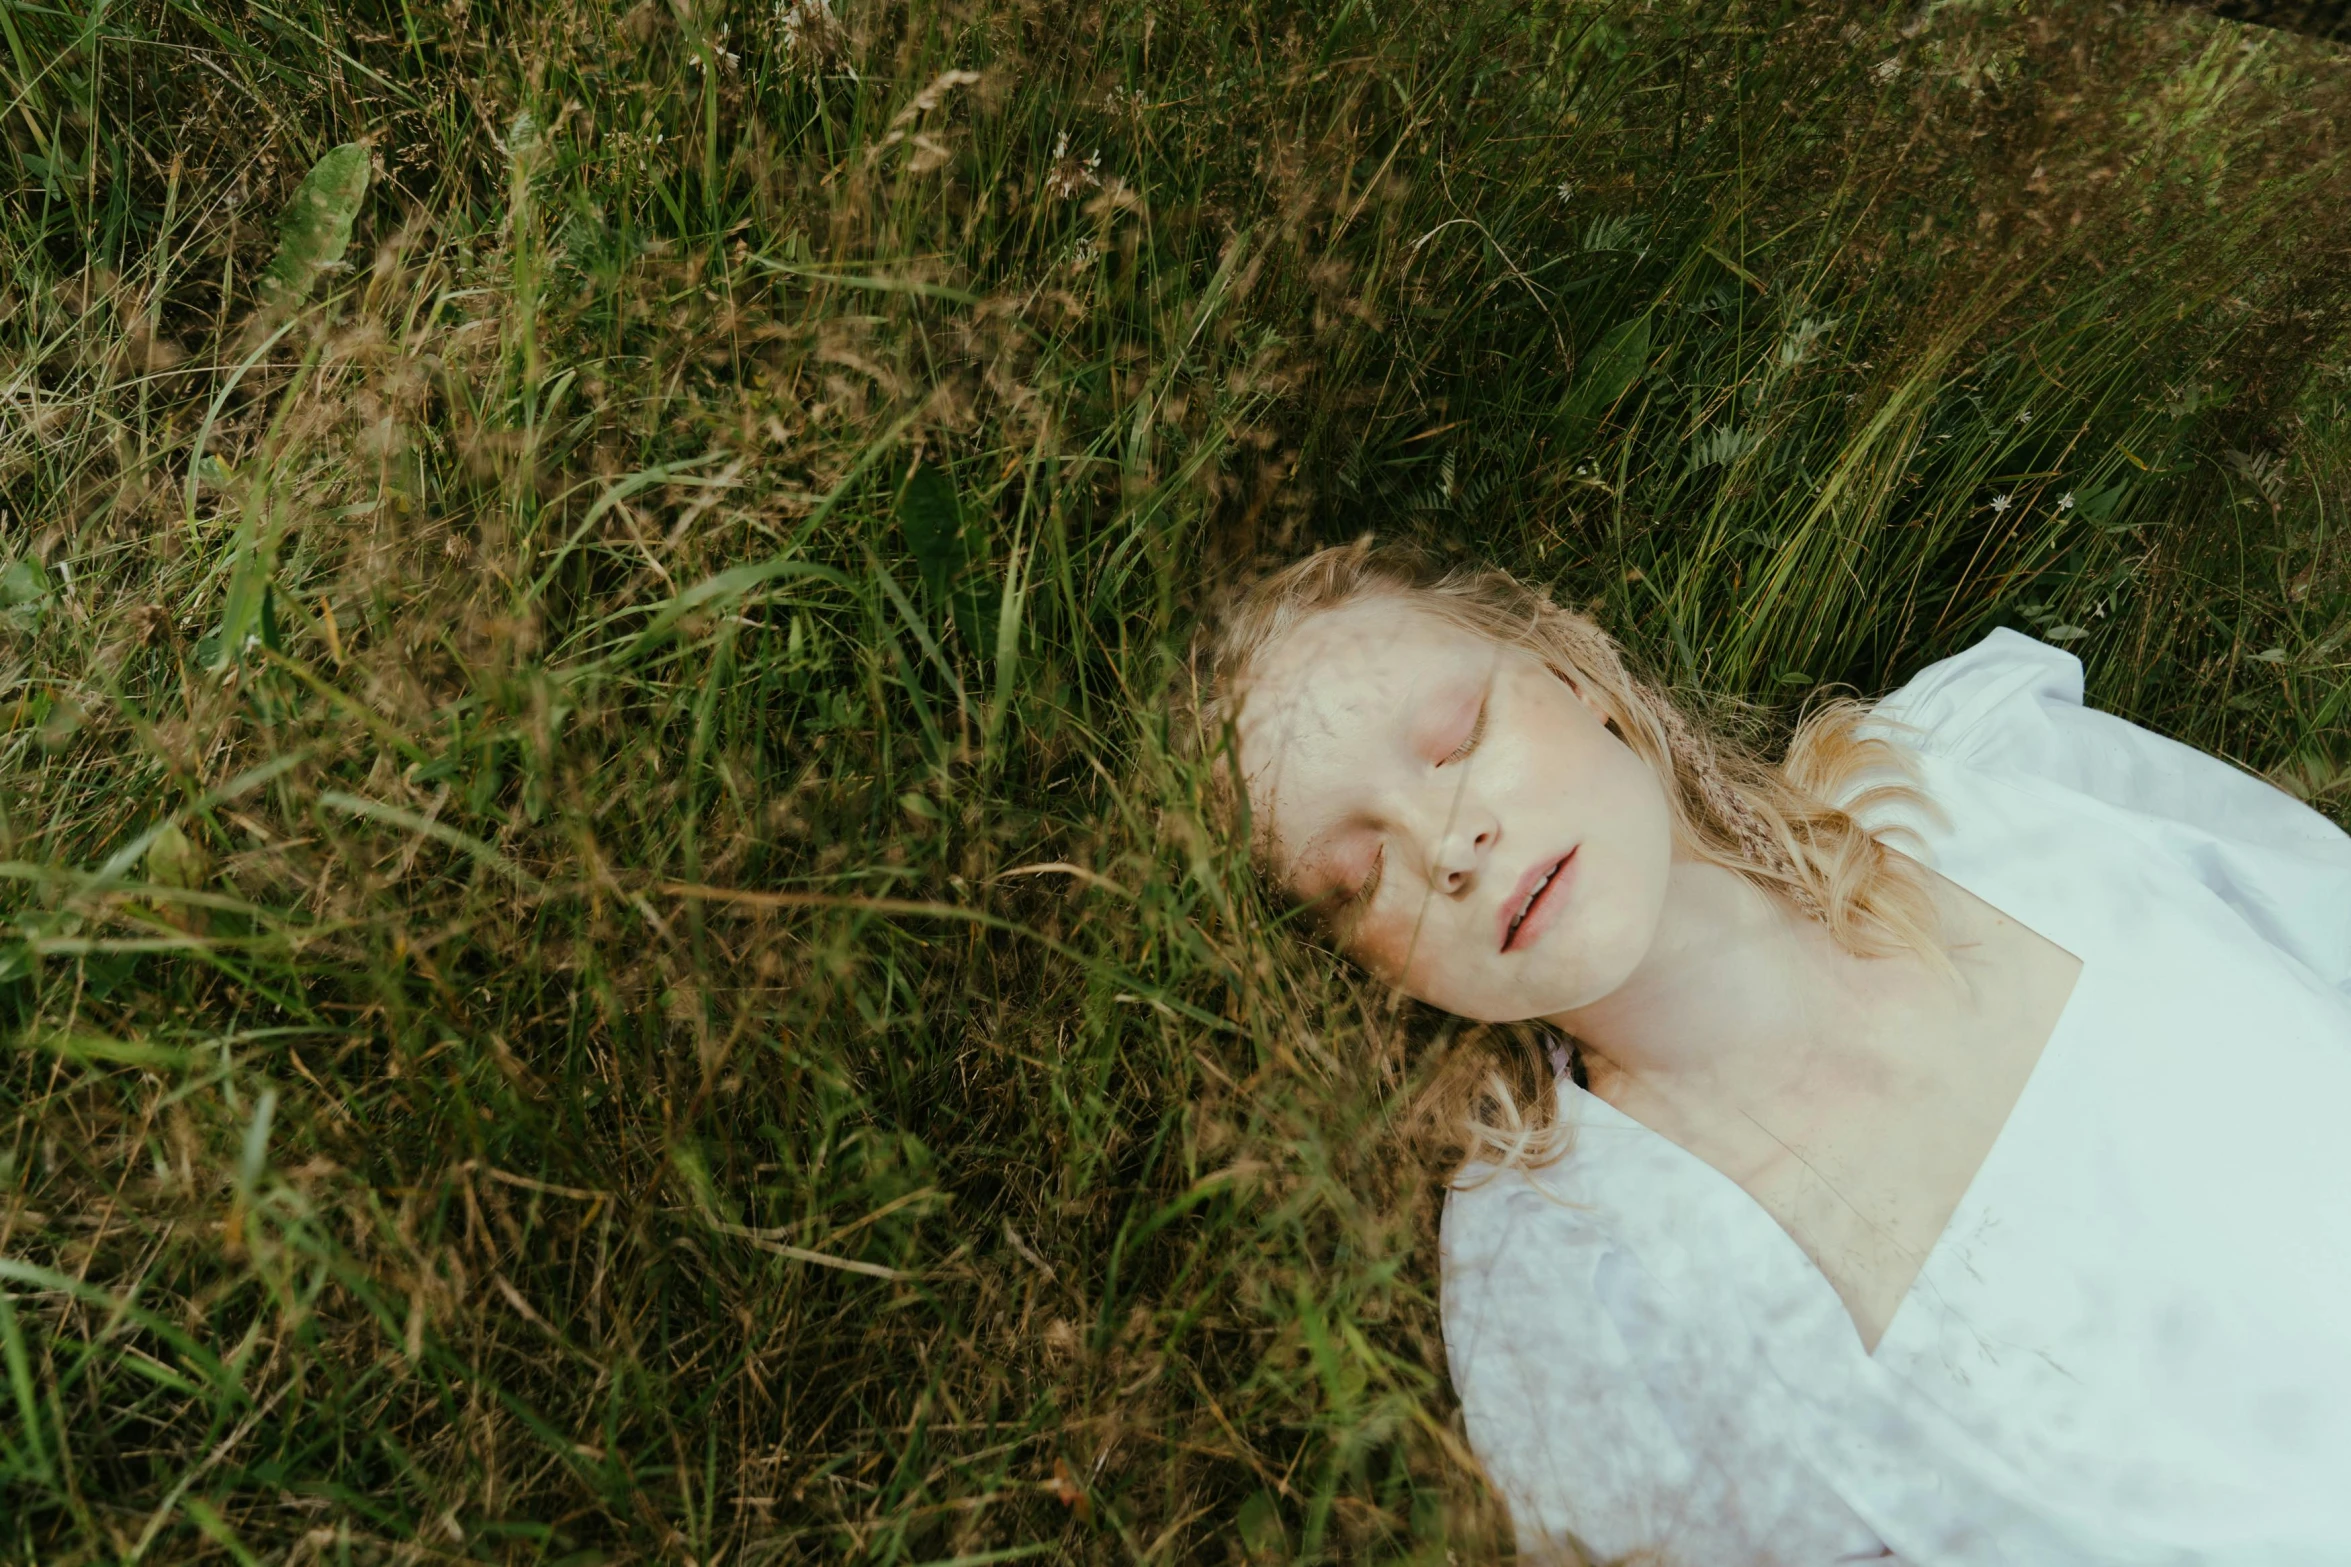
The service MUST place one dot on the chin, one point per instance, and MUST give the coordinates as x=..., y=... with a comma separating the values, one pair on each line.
x=1463, y=996
x=1586, y=965
x=1496, y=1003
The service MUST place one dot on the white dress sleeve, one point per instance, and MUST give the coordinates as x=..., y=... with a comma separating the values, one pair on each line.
x=1614, y=1419
x=2013, y=705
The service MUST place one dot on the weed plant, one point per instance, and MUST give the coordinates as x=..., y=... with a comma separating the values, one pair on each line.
x=602, y=953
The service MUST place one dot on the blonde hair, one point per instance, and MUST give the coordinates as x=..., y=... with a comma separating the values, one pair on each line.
x=1492, y=1094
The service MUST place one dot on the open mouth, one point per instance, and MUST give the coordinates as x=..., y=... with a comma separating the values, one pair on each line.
x=1538, y=898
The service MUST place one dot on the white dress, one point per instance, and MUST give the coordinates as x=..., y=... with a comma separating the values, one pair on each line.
x=2132, y=1344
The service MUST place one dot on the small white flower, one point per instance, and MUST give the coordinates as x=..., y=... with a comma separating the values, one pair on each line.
x=2065, y=501
x=1071, y=174
x=2024, y=416
x=1566, y=191
x=809, y=26
x=2000, y=503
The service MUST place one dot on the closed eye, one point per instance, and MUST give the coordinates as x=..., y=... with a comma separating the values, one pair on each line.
x=1477, y=732
x=1345, y=903
x=1350, y=904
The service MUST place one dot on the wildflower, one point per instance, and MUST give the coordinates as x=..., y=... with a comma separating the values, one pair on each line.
x=2065, y=501
x=1069, y=175
x=810, y=28
x=2000, y=503
x=2024, y=416
x=1566, y=191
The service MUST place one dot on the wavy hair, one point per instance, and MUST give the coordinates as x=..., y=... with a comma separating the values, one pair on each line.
x=1492, y=1097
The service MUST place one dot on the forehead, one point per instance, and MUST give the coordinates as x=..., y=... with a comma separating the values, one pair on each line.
x=1361, y=652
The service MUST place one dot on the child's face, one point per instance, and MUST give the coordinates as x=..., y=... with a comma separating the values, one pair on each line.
x=1418, y=783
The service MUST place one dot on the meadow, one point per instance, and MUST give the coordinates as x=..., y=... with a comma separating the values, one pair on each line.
x=606, y=954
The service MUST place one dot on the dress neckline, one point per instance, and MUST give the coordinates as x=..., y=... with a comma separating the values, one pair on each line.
x=2026, y=1098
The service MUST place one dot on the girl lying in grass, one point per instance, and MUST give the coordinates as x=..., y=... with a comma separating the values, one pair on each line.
x=1984, y=1203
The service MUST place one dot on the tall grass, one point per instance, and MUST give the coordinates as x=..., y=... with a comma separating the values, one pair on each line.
x=604, y=956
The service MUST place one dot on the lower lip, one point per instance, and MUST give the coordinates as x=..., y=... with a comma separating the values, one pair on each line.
x=1545, y=909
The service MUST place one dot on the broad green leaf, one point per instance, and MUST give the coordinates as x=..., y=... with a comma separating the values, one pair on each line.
x=1261, y=1530
x=933, y=521
x=2098, y=505
x=1606, y=374
x=90, y=1048
x=23, y=583
x=316, y=227
x=940, y=536
x=240, y=616
x=173, y=861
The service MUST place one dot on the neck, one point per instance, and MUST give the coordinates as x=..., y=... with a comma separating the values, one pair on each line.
x=1738, y=999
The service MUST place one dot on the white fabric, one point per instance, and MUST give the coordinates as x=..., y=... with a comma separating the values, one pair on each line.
x=2132, y=1344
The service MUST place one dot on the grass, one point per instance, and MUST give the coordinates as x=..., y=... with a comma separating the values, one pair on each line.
x=602, y=956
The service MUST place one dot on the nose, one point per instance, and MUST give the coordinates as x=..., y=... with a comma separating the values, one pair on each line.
x=1462, y=850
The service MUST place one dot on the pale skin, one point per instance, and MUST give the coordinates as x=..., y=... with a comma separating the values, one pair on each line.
x=1418, y=782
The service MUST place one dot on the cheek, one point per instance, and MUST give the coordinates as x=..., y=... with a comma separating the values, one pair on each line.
x=1381, y=942
x=1642, y=859
x=1420, y=953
